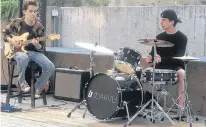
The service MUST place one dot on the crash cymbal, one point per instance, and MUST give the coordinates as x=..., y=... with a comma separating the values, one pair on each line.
x=158, y=43
x=186, y=58
x=94, y=47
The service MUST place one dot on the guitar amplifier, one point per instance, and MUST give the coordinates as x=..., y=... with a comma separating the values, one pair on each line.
x=69, y=84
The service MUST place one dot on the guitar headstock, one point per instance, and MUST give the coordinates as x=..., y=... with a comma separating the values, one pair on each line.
x=53, y=36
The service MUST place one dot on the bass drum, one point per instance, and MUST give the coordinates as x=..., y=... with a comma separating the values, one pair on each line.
x=105, y=95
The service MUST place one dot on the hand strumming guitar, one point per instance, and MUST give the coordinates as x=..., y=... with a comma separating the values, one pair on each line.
x=15, y=43
x=35, y=42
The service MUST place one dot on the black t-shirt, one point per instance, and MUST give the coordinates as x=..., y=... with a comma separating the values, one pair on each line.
x=180, y=41
x=28, y=28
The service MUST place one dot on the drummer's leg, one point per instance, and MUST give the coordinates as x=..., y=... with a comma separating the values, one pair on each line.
x=181, y=76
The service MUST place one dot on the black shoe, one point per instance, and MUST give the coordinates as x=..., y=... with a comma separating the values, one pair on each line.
x=179, y=118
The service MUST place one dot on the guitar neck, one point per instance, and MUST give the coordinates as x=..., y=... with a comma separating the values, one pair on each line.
x=39, y=39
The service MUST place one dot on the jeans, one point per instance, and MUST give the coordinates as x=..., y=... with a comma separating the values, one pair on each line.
x=47, y=66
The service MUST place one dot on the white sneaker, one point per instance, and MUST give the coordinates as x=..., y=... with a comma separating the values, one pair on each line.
x=24, y=86
x=37, y=93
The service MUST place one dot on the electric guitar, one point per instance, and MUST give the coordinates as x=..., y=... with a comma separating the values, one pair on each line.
x=10, y=50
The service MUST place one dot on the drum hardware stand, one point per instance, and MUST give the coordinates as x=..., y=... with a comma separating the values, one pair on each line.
x=115, y=58
x=152, y=100
x=92, y=64
x=164, y=93
x=91, y=69
x=125, y=104
x=187, y=104
x=113, y=72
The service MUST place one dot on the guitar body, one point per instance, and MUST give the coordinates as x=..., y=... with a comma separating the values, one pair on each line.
x=10, y=50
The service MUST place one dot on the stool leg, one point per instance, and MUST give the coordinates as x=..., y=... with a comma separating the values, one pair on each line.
x=11, y=72
x=32, y=88
x=19, y=94
x=44, y=97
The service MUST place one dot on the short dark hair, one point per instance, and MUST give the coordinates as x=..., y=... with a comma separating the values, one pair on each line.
x=171, y=15
x=27, y=3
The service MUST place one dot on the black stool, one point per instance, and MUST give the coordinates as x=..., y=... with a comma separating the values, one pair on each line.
x=32, y=66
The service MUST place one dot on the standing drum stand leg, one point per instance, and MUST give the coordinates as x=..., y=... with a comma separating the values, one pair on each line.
x=187, y=105
x=152, y=100
x=92, y=64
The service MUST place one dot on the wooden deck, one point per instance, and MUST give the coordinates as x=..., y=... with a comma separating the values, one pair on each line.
x=55, y=115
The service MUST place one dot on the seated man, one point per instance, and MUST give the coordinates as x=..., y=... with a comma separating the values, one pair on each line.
x=19, y=26
x=164, y=58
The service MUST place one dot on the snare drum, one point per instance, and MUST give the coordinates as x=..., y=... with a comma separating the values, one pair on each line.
x=161, y=76
x=127, y=60
x=105, y=95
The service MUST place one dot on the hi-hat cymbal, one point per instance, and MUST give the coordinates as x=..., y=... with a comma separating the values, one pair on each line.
x=94, y=47
x=186, y=58
x=158, y=43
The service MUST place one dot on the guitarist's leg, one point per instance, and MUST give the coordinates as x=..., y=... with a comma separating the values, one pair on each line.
x=47, y=70
x=22, y=60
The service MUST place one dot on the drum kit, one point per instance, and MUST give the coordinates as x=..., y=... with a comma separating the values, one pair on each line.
x=119, y=92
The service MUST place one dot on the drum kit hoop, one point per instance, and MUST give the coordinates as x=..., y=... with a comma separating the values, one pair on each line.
x=126, y=61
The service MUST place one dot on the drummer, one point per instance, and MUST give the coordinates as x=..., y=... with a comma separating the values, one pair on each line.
x=164, y=59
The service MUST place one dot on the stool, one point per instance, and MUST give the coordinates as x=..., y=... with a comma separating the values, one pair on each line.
x=11, y=65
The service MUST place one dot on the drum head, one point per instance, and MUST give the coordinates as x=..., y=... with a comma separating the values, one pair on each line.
x=127, y=60
x=124, y=67
x=102, y=96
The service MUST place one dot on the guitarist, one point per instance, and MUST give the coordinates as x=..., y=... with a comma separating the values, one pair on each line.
x=35, y=48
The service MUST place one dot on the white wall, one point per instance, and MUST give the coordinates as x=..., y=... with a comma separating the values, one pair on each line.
x=114, y=27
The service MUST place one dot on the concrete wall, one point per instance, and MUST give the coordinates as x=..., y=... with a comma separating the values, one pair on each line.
x=76, y=3
x=153, y=2
x=114, y=27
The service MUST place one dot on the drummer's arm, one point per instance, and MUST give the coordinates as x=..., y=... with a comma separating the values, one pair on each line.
x=149, y=58
x=181, y=47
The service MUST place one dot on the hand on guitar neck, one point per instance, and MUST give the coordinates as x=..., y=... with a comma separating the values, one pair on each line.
x=35, y=42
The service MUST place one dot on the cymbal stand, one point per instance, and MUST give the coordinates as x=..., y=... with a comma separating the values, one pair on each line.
x=187, y=104
x=92, y=64
x=115, y=58
x=91, y=69
x=152, y=100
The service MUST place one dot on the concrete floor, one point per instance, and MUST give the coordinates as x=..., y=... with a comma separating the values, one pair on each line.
x=55, y=115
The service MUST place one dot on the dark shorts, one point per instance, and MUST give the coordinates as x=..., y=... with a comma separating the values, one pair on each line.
x=170, y=67
x=172, y=64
